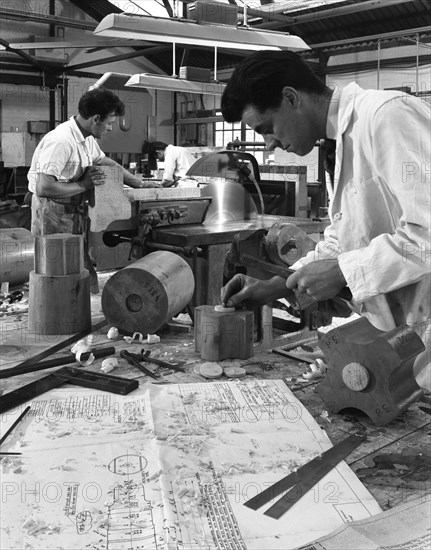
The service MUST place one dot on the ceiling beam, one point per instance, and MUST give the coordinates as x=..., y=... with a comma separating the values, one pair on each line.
x=374, y=64
x=426, y=31
x=24, y=55
x=105, y=60
x=24, y=16
x=331, y=11
x=59, y=44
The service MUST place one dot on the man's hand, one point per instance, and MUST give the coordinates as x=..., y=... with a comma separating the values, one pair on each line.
x=144, y=184
x=167, y=183
x=92, y=177
x=321, y=280
x=242, y=288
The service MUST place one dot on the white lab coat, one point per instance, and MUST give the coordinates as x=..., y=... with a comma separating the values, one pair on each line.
x=178, y=160
x=380, y=209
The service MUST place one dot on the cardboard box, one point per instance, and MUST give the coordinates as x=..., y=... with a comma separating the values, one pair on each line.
x=213, y=12
x=199, y=74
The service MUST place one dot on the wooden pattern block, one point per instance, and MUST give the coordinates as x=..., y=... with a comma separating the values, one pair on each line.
x=146, y=294
x=223, y=335
x=110, y=202
x=59, y=254
x=370, y=370
x=59, y=291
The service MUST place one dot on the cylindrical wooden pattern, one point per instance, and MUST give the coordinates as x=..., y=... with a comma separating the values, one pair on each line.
x=16, y=255
x=220, y=335
x=59, y=254
x=60, y=304
x=143, y=296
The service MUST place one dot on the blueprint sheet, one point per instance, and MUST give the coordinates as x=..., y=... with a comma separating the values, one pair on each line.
x=168, y=467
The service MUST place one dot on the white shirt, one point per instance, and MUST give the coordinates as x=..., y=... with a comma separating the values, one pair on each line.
x=380, y=205
x=64, y=153
x=178, y=160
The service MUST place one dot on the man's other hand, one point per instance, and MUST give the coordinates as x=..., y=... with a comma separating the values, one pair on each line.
x=254, y=292
x=321, y=280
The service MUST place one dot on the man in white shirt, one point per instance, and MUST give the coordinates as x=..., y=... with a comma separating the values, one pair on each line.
x=177, y=161
x=65, y=167
x=378, y=242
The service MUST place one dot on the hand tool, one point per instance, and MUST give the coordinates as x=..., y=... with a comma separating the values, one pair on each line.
x=145, y=356
x=71, y=375
x=300, y=482
x=56, y=362
x=61, y=345
x=133, y=359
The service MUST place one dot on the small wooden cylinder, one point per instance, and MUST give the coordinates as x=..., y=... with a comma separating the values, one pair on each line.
x=143, y=296
x=60, y=304
x=59, y=254
x=223, y=335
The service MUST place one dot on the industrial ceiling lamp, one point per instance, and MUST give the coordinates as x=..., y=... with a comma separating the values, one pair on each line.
x=161, y=29
x=174, y=84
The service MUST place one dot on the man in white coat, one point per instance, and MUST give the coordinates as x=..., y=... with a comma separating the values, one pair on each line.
x=177, y=161
x=378, y=242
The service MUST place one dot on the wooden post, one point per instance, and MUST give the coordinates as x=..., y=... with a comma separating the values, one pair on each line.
x=59, y=301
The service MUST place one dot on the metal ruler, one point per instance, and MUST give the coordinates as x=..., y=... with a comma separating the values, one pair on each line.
x=298, y=483
x=71, y=375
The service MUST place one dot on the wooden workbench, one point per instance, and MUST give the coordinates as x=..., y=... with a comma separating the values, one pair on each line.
x=394, y=463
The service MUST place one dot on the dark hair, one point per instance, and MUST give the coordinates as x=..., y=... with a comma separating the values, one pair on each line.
x=260, y=78
x=100, y=102
x=159, y=145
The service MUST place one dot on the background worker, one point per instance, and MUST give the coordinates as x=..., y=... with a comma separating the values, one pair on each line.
x=65, y=167
x=378, y=242
x=177, y=161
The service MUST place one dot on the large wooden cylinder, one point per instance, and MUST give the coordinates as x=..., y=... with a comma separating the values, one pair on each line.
x=59, y=297
x=16, y=255
x=143, y=296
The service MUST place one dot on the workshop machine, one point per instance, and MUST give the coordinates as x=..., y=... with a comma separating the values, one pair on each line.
x=200, y=223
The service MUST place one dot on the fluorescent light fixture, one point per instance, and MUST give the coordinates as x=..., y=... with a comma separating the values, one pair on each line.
x=162, y=29
x=172, y=84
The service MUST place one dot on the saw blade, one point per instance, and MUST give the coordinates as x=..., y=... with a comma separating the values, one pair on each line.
x=230, y=201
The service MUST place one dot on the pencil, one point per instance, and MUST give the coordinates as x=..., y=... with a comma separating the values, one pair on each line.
x=20, y=417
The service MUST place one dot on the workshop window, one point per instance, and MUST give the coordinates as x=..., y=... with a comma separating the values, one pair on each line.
x=226, y=132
